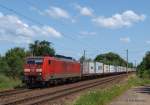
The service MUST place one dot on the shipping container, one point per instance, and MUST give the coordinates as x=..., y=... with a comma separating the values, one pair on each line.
x=106, y=68
x=115, y=68
x=119, y=69
x=85, y=68
x=124, y=69
x=88, y=68
x=91, y=68
x=99, y=67
x=112, y=69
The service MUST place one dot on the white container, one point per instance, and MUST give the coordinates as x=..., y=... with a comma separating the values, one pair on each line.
x=85, y=68
x=112, y=69
x=119, y=69
x=115, y=67
x=91, y=68
x=98, y=67
x=106, y=68
x=88, y=68
x=124, y=69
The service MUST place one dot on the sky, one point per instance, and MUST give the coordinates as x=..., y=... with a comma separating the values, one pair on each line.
x=96, y=26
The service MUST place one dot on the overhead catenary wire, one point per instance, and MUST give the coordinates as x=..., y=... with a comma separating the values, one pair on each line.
x=28, y=18
x=24, y=16
x=68, y=37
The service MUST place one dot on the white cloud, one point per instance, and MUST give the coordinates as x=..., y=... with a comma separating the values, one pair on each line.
x=56, y=12
x=125, y=40
x=85, y=11
x=14, y=30
x=125, y=19
x=46, y=30
x=87, y=33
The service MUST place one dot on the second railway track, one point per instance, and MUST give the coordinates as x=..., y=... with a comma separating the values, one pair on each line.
x=13, y=92
x=51, y=95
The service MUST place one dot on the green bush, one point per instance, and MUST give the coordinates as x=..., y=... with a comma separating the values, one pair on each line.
x=8, y=83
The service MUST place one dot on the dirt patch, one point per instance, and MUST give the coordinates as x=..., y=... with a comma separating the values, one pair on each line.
x=135, y=96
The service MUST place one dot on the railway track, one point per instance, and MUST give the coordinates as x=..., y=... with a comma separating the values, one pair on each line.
x=13, y=92
x=34, y=100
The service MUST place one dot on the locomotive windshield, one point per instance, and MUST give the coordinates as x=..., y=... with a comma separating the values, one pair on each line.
x=37, y=61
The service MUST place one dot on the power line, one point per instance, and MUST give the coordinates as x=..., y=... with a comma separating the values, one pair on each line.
x=38, y=8
x=127, y=61
x=26, y=17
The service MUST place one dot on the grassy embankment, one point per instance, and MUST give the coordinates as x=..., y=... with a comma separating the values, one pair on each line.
x=8, y=83
x=103, y=97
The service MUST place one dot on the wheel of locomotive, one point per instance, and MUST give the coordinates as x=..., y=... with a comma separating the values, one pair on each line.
x=29, y=85
x=60, y=81
x=56, y=82
x=47, y=84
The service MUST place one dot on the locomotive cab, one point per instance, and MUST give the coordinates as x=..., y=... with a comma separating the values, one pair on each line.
x=33, y=70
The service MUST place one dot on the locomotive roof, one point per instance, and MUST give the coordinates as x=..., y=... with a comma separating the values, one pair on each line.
x=56, y=58
x=32, y=57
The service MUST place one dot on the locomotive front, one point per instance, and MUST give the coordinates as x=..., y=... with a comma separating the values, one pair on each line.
x=33, y=70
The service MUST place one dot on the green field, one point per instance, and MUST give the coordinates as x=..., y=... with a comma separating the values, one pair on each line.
x=103, y=97
x=8, y=83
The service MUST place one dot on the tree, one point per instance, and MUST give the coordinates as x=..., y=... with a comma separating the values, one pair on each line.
x=144, y=66
x=15, y=59
x=41, y=48
x=112, y=59
x=4, y=67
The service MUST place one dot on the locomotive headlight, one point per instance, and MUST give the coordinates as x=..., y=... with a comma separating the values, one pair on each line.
x=27, y=70
x=39, y=73
x=38, y=70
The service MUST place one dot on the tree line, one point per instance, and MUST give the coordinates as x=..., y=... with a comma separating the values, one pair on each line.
x=109, y=58
x=112, y=59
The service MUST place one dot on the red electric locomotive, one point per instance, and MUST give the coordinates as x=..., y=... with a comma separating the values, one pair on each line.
x=48, y=69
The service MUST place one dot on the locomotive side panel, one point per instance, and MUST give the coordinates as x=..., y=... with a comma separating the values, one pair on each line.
x=62, y=69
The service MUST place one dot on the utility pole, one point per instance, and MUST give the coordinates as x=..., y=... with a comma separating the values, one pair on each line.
x=84, y=55
x=127, y=61
x=135, y=64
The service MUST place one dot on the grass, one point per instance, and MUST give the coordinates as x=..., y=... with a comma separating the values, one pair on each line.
x=103, y=97
x=8, y=83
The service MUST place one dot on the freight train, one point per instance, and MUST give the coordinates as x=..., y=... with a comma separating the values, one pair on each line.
x=48, y=70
